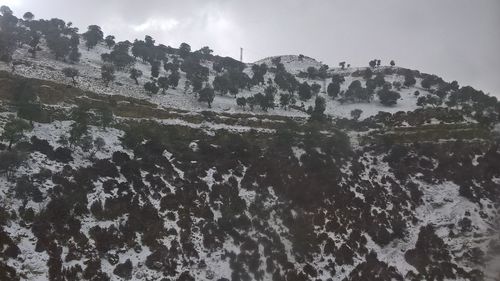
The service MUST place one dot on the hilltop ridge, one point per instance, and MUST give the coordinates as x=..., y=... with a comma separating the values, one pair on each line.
x=139, y=161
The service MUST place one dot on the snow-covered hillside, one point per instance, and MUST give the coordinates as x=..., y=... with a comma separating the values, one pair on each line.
x=112, y=183
x=46, y=67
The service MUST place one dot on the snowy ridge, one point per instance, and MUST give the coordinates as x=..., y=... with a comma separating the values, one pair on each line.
x=45, y=67
x=170, y=189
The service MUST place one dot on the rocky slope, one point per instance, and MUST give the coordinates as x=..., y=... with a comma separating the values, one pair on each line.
x=169, y=189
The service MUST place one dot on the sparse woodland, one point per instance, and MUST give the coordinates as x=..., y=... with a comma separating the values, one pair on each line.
x=134, y=160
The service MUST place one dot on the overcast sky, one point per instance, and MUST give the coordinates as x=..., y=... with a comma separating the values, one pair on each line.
x=455, y=39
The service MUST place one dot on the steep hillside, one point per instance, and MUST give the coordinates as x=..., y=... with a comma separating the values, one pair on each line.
x=45, y=67
x=118, y=183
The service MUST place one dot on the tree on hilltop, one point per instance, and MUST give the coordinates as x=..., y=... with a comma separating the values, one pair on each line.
x=93, y=36
x=110, y=41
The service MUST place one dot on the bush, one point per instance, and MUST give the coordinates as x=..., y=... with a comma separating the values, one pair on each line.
x=409, y=79
x=207, y=95
x=63, y=154
x=356, y=93
x=305, y=91
x=151, y=88
x=10, y=160
x=93, y=36
x=120, y=158
x=124, y=270
x=242, y=102
x=119, y=57
x=107, y=73
x=71, y=73
x=388, y=97
x=356, y=113
x=14, y=129
x=333, y=90
x=25, y=190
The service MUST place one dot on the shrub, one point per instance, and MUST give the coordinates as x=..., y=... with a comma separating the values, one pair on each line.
x=107, y=73
x=151, y=88
x=207, y=95
x=388, y=97
x=305, y=92
x=71, y=73
x=10, y=160
x=14, y=131
x=356, y=113
x=63, y=154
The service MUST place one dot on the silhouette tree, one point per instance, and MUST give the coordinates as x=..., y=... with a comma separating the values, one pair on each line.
x=184, y=50
x=388, y=97
x=409, y=79
x=173, y=79
x=107, y=73
x=373, y=63
x=163, y=84
x=315, y=88
x=356, y=92
x=318, y=113
x=14, y=129
x=207, y=95
x=26, y=100
x=205, y=52
x=5, y=11
x=333, y=90
x=34, y=42
x=356, y=113
x=71, y=73
x=258, y=73
x=80, y=126
x=119, y=57
x=135, y=74
x=28, y=16
x=59, y=45
x=305, y=92
x=155, y=69
x=151, y=88
x=93, y=36
x=285, y=100
x=105, y=115
x=241, y=101
x=110, y=41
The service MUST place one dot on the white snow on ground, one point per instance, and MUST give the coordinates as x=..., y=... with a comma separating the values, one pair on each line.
x=45, y=67
x=298, y=152
x=443, y=205
x=293, y=64
x=208, y=127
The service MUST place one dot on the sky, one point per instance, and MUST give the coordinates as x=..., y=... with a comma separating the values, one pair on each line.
x=455, y=39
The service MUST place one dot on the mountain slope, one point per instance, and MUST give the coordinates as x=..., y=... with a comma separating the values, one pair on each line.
x=45, y=67
x=166, y=188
